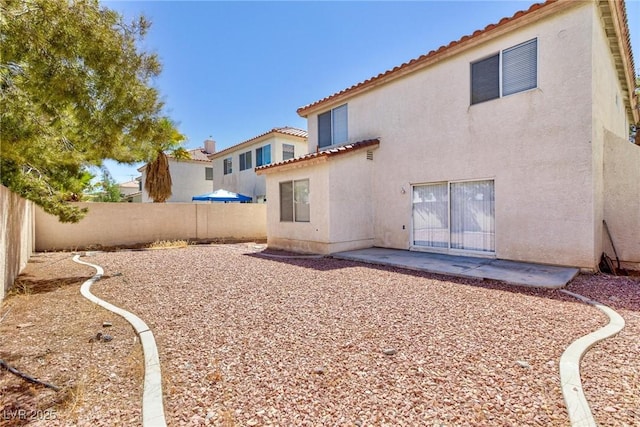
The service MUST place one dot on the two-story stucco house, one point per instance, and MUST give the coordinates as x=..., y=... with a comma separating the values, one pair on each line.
x=189, y=177
x=234, y=167
x=131, y=191
x=511, y=142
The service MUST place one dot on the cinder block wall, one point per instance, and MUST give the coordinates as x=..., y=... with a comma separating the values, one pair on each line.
x=125, y=224
x=622, y=199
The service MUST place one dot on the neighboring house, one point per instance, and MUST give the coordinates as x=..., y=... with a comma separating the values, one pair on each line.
x=512, y=143
x=234, y=167
x=131, y=191
x=189, y=177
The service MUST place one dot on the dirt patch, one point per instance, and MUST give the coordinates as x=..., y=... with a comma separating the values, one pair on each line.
x=47, y=329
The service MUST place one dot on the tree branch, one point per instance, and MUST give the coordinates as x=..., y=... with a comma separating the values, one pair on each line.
x=27, y=377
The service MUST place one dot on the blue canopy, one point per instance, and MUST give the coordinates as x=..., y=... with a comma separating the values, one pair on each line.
x=221, y=196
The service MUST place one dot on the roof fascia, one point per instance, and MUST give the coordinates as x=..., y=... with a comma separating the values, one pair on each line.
x=294, y=165
x=626, y=74
x=254, y=140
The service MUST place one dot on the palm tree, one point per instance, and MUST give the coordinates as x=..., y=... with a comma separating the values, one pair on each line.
x=158, y=177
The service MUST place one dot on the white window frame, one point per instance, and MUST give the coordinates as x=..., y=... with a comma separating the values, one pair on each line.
x=501, y=71
x=227, y=165
x=242, y=161
x=333, y=112
x=449, y=249
x=208, y=173
x=294, y=215
x=293, y=151
x=260, y=159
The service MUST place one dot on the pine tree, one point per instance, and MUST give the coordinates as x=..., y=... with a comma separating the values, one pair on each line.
x=74, y=90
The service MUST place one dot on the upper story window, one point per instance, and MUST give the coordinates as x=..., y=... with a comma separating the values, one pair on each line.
x=208, y=174
x=228, y=166
x=245, y=160
x=263, y=155
x=510, y=71
x=288, y=151
x=332, y=127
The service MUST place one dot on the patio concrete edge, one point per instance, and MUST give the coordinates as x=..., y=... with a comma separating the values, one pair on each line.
x=575, y=400
x=152, y=405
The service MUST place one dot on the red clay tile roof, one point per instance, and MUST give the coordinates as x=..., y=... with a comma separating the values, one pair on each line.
x=343, y=149
x=287, y=130
x=435, y=55
x=198, y=154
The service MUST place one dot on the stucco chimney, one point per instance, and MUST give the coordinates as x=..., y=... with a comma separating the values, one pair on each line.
x=210, y=146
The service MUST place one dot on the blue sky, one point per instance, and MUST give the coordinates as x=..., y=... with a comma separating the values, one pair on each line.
x=234, y=70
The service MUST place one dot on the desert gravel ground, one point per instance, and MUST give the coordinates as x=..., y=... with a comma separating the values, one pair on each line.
x=247, y=339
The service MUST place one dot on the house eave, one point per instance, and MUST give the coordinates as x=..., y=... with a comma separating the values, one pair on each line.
x=614, y=17
x=308, y=159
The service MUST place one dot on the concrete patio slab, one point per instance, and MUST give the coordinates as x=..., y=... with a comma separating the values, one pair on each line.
x=514, y=272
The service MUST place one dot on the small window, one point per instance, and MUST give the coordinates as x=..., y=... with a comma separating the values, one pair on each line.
x=228, y=166
x=294, y=201
x=518, y=66
x=485, y=79
x=208, y=174
x=288, y=151
x=333, y=127
x=263, y=155
x=245, y=161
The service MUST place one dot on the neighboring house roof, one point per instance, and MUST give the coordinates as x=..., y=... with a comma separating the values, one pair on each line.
x=197, y=154
x=330, y=152
x=287, y=130
x=614, y=18
x=130, y=184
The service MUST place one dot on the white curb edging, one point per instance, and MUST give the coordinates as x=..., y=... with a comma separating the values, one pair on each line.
x=152, y=405
x=577, y=406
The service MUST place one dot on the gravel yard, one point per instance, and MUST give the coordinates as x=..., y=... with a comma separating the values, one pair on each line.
x=246, y=339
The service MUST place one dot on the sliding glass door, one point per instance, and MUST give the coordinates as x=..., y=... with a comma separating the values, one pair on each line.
x=455, y=215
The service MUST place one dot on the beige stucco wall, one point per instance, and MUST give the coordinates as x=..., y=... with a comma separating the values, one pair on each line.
x=122, y=224
x=536, y=145
x=341, y=215
x=188, y=178
x=622, y=199
x=309, y=237
x=350, y=194
x=16, y=236
x=611, y=170
x=247, y=182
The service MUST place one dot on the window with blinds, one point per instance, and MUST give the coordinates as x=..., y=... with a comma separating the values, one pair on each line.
x=518, y=66
x=227, y=163
x=485, y=79
x=333, y=127
x=288, y=151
